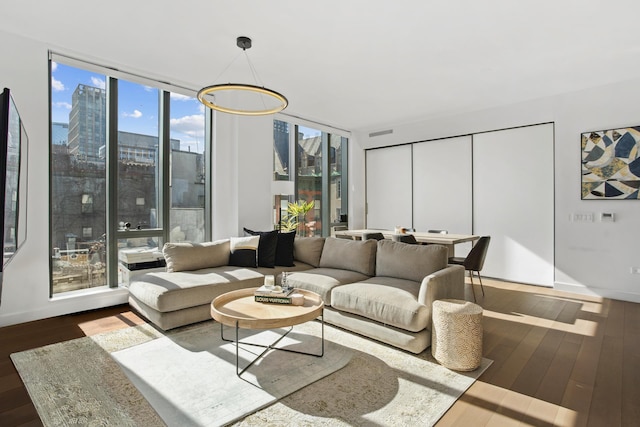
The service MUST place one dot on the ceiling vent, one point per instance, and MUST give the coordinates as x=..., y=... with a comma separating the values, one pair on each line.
x=380, y=133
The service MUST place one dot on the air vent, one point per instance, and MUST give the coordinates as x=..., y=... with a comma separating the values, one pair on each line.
x=380, y=133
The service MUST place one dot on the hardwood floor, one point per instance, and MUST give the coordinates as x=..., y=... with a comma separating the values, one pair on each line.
x=559, y=359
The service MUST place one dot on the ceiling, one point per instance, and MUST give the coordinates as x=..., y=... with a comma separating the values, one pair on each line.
x=354, y=64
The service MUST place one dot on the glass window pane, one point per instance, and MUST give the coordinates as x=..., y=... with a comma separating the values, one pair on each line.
x=337, y=180
x=78, y=178
x=280, y=150
x=188, y=150
x=309, y=179
x=138, y=126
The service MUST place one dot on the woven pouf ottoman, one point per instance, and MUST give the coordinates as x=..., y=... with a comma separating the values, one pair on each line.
x=456, y=334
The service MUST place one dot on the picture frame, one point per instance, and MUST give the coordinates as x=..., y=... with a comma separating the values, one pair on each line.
x=611, y=164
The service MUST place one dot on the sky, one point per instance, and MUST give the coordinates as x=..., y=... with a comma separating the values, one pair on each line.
x=137, y=106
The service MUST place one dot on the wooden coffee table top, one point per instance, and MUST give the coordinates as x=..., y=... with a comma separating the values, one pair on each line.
x=239, y=306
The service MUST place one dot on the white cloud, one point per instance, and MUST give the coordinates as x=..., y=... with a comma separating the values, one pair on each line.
x=98, y=82
x=54, y=66
x=64, y=105
x=56, y=85
x=192, y=126
x=135, y=115
x=180, y=97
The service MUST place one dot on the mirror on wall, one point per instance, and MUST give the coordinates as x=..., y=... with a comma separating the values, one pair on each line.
x=13, y=180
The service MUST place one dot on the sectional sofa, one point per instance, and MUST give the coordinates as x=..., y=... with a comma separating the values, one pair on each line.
x=381, y=289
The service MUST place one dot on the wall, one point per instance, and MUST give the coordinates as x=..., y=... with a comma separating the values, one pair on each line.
x=591, y=258
x=241, y=187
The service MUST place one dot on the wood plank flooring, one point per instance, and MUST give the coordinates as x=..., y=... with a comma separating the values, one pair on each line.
x=559, y=359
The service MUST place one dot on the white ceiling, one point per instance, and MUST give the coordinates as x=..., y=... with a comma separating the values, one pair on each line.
x=355, y=64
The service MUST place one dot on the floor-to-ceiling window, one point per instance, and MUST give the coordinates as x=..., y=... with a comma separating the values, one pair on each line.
x=128, y=172
x=319, y=173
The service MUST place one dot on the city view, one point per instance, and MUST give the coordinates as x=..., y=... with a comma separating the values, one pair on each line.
x=81, y=189
x=79, y=181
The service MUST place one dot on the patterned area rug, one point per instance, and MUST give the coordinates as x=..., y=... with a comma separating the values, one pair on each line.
x=78, y=382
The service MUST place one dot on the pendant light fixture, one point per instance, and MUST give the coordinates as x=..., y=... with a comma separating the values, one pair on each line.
x=240, y=98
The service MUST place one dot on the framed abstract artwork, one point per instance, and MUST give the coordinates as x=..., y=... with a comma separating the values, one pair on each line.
x=611, y=164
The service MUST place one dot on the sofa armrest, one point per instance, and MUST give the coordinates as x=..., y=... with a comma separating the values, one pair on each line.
x=443, y=284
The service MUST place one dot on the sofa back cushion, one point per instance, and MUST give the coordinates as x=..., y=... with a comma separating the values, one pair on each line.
x=353, y=255
x=308, y=250
x=194, y=256
x=411, y=262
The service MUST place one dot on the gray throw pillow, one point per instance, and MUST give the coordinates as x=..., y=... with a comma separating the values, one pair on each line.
x=353, y=255
x=411, y=262
x=308, y=250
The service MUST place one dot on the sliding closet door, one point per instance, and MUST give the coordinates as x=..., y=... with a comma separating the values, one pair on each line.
x=389, y=187
x=513, y=202
x=442, y=191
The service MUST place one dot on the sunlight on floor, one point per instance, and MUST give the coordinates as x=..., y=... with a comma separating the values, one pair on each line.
x=580, y=327
x=516, y=408
x=120, y=321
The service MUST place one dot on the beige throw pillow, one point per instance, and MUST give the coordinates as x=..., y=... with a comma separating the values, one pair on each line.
x=194, y=256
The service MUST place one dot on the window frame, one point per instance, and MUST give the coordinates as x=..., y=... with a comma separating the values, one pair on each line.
x=112, y=154
x=327, y=132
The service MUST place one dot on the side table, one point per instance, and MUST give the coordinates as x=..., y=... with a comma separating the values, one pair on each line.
x=456, y=334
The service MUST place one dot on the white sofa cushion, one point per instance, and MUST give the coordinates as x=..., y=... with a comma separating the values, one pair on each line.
x=323, y=280
x=387, y=300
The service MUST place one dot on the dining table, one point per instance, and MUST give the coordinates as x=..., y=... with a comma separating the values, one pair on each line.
x=448, y=240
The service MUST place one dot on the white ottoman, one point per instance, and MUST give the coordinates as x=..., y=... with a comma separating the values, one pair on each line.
x=456, y=334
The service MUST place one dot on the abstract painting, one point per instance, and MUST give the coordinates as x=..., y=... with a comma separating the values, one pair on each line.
x=611, y=164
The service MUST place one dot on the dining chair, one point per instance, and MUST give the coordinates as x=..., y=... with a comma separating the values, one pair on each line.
x=474, y=261
x=438, y=231
x=375, y=236
x=404, y=238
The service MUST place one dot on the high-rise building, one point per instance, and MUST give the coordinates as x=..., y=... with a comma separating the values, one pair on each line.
x=87, y=122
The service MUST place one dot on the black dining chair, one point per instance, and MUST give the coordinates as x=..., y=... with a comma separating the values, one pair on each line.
x=438, y=231
x=374, y=236
x=404, y=238
x=474, y=261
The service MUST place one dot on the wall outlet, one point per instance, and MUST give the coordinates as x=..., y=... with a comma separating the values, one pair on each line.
x=635, y=270
x=607, y=217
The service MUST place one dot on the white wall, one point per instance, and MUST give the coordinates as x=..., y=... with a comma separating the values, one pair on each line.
x=591, y=258
x=513, y=202
x=241, y=187
x=389, y=188
x=442, y=186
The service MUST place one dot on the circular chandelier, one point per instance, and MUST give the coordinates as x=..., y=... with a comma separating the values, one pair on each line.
x=265, y=101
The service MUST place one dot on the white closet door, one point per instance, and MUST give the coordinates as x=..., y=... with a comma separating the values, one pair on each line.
x=513, y=202
x=389, y=187
x=442, y=191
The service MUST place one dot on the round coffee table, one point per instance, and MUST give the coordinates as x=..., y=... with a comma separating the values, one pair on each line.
x=239, y=309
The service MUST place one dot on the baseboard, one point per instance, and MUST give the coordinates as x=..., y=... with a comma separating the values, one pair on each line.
x=68, y=304
x=598, y=292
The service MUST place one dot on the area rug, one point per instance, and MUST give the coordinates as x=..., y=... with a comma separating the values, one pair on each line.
x=195, y=380
x=78, y=383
